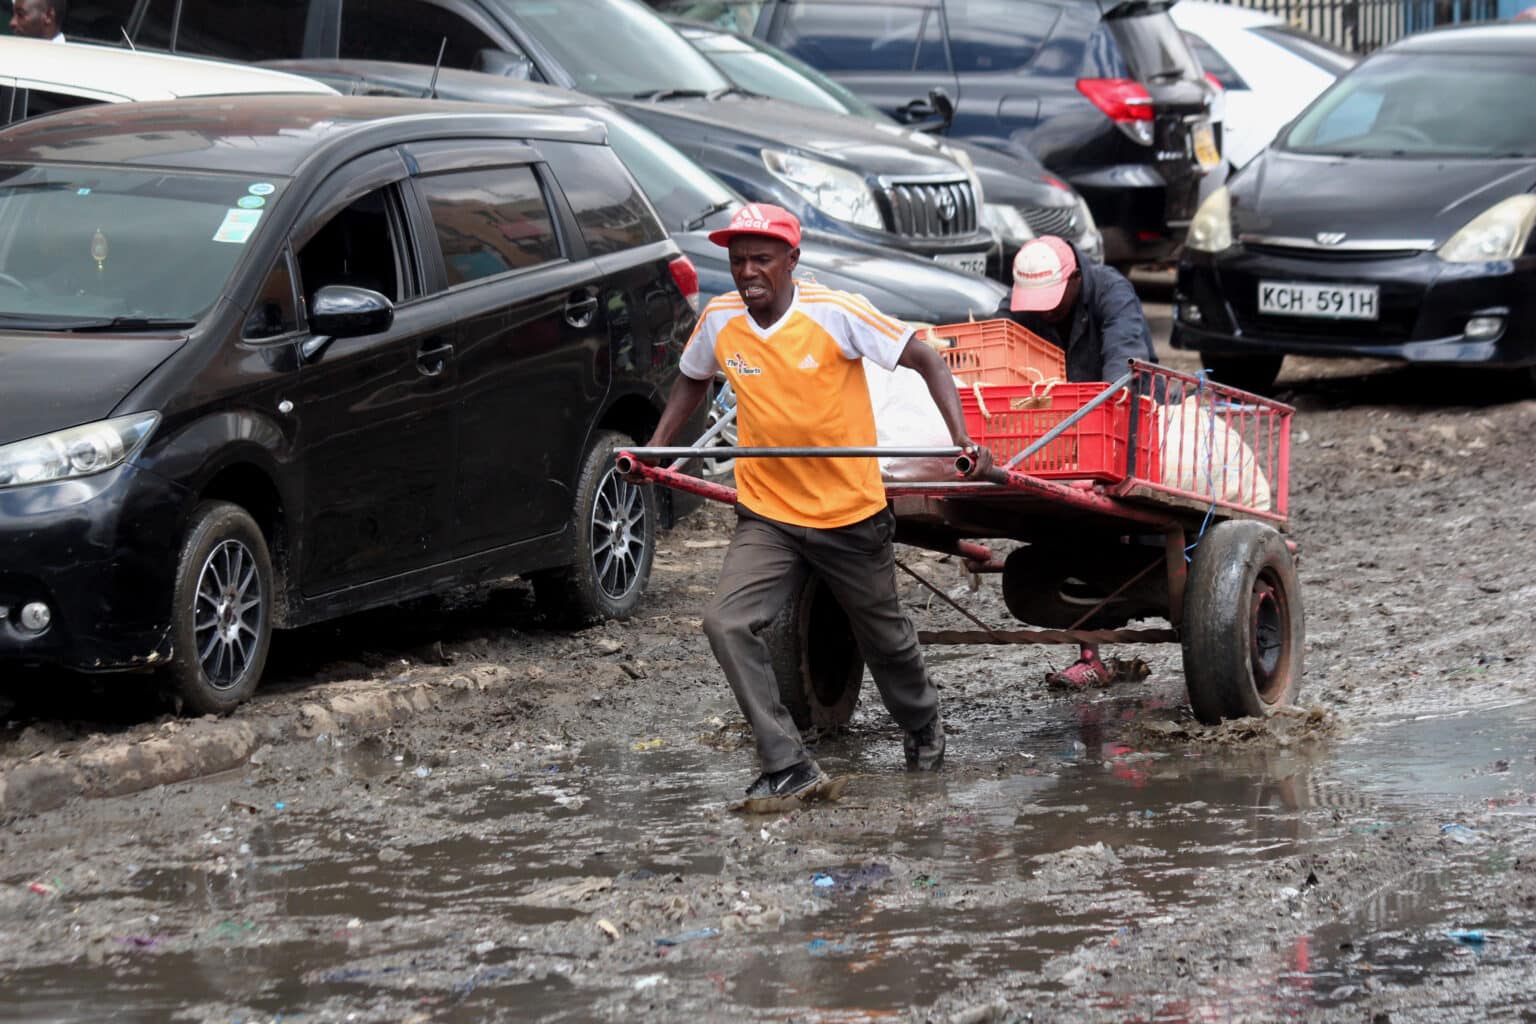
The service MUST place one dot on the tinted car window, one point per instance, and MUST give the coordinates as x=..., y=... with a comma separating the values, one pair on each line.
x=635, y=53
x=1424, y=105
x=42, y=101
x=109, y=241
x=772, y=72
x=1213, y=64
x=1153, y=47
x=274, y=311
x=490, y=222
x=684, y=194
x=357, y=247
x=410, y=31
x=609, y=207
x=865, y=37
x=996, y=35
x=238, y=29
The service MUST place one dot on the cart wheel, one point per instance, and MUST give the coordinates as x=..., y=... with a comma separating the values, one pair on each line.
x=1243, y=627
x=815, y=658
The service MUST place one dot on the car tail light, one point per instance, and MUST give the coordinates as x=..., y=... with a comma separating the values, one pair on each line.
x=1209, y=77
x=1123, y=101
x=687, y=278
x=1058, y=183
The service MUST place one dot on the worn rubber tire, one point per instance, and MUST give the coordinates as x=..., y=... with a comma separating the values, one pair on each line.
x=1246, y=373
x=815, y=659
x=217, y=688
x=578, y=594
x=1243, y=630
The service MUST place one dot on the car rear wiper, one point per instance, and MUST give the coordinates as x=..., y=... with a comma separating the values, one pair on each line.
x=704, y=215
x=732, y=90
x=128, y=323
x=656, y=95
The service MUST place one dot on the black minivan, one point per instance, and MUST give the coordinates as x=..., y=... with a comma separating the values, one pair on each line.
x=1105, y=94
x=266, y=360
x=836, y=173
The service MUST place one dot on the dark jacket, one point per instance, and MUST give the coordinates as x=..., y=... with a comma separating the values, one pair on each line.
x=1107, y=329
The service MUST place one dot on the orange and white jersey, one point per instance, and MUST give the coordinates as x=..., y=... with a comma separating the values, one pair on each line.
x=800, y=382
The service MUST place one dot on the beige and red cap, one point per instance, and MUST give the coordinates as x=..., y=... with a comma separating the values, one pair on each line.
x=1041, y=269
x=760, y=219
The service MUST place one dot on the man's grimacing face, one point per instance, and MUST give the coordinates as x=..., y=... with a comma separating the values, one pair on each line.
x=763, y=269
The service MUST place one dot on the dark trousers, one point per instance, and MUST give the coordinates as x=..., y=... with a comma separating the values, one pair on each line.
x=765, y=565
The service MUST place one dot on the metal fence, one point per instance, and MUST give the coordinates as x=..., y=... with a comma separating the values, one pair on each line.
x=1363, y=25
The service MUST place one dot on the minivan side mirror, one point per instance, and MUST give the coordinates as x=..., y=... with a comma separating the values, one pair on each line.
x=345, y=311
x=934, y=116
x=507, y=65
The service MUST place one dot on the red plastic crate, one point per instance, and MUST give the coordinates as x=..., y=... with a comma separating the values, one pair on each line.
x=1009, y=418
x=998, y=352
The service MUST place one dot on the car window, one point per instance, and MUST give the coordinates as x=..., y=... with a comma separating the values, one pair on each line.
x=610, y=208
x=360, y=246
x=758, y=67
x=635, y=55
x=864, y=37
x=738, y=17
x=490, y=221
x=83, y=242
x=236, y=29
x=1153, y=48
x=274, y=312
x=410, y=32
x=46, y=101
x=1309, y=47
x=996, y=35
x=1424, y=105
x=1213, y=64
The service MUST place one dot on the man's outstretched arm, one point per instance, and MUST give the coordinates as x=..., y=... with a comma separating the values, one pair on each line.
x=682, y=401
x=941, y=385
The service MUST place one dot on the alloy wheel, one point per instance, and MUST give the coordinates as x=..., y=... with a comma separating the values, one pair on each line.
x=618, y=534
x=227, y=616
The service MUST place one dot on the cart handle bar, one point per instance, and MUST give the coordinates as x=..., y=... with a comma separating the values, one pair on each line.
x=625, y=460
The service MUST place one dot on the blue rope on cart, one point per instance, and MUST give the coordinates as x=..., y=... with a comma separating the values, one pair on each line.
x=1210, y=455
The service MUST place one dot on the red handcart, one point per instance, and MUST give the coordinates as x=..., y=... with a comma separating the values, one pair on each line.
x=1159, y=496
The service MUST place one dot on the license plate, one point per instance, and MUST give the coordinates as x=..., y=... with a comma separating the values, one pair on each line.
x=1205, y=147
x=1333, y=301
x=974, y=262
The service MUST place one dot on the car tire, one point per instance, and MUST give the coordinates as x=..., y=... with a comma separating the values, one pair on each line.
x=815, y=658
x=615, y=524
x=1246, y=373
x=1243, y=631
x=221, y=610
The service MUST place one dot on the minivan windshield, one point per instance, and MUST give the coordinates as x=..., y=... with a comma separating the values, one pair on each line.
x=119, y=247
x=1424, y=105
x=617, y=48
x=772, y=72
x=685, y=195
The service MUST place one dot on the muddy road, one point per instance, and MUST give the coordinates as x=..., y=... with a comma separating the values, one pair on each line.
x=447, y=813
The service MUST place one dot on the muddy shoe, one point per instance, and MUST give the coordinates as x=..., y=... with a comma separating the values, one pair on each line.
x=788, y=782
x=925, y=747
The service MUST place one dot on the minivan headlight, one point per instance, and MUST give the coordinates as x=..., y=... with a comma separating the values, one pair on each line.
x=836, y=191
x=76, y=452
x=1211, y=230
x=1498, y=233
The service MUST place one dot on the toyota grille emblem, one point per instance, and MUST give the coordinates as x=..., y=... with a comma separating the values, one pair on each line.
x=947, y=206
x=1330, y=237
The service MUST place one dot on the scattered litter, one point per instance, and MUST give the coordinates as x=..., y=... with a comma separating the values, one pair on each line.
x=139, y=941
x=706, y=544
x=1459, y=834
x=422, y=771
x=1469, y=938
x=819, y=880
x=44, y=889
x=649, y=981
x=241, y=805
x=234, y=929
x=861, y=877
x=482, y=948
x=654, y=743
x=280, y=805
x=567, y=892
x=606, y=927
x=688, y=936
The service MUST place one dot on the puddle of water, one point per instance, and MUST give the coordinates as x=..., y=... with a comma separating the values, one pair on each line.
x=997, y=870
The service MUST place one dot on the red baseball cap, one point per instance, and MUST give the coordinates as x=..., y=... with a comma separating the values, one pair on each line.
x=760, y=219
x=1041, y=269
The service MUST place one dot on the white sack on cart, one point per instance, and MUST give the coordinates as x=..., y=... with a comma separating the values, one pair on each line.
x=906, y=416
x=1201, y=453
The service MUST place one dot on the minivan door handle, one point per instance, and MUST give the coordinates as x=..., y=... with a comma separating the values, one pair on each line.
x=430, y=361
x=580, y=308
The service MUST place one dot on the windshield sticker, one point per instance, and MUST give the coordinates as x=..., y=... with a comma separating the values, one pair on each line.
x=250, y=202
x=237, y=226
x=262, y=188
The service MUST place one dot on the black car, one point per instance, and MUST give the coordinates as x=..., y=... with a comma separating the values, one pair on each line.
x=835, y=173
x=1021, y=199
x=691, y=201
x=268, y=360
x=1392, y=218
x=1106, y=94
